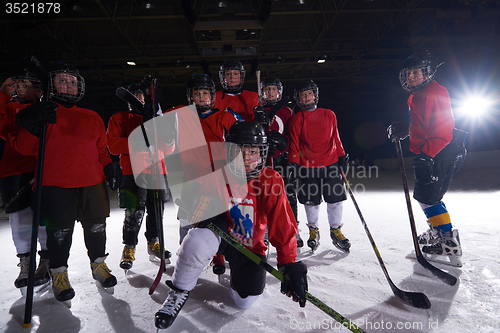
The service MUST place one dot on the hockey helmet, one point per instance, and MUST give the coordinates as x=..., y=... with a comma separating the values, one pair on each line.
x=28, y=88
x=424, y=61
x=305, y=85
x=201, y=82
x=269, y=82
x=246, y=149
x=65, y=83
x=231, y=64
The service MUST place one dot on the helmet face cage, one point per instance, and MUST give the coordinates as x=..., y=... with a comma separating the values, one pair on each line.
x=66, y=84
x=310, y=106
x=406, y=77
x=135, y=90
x=246, y=161
x=200, y=82
x=266, y=96
x=28, y=88
x=231, y=65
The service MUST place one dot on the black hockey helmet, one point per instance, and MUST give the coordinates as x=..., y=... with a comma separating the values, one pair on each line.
x=201, y=82
x=136, y=90
x=271, y=81
x=22, y=83
x=57, y=71
x=243, y=136
x=303, y=86
x=227, y=65
x=423, y=60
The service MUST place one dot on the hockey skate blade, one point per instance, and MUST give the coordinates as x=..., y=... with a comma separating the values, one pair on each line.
x=156, y=260
x=107, y=290
x=36, y=289
x=445, y=260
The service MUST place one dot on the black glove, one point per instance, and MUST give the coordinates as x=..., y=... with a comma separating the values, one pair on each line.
x=276, y=141
x=34, y=116
x=344, y=163
x=292, y=171
x=422, y=168
x=114, y=175
x=261, y=116
x=295, y=285
x=398, y=129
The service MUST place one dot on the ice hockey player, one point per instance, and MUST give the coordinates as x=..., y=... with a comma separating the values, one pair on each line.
x=316, y=156
x=200, y=91
x=251, y=211
x=16, y=171
x=232, y=97
x=136, y=200
x=274, y=116
x=440, y=149
x=76, y=166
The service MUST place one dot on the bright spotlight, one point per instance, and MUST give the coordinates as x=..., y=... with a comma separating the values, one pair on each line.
x=475, y=106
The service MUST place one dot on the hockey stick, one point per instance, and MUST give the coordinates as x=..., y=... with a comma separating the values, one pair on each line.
x=157, y=204
x=259, y=91
x=128, y=97
x=440, y=274
x=416, y=299
x=17, y=195
x=33, y=65
x=274, y=272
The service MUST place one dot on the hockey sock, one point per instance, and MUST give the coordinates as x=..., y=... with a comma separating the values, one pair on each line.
x=334, y=211
x=312, y=213
x=438, y=217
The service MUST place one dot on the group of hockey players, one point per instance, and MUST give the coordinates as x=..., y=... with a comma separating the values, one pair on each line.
x=255, y=145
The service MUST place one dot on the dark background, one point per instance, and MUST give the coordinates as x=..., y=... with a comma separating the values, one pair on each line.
x=364, y=43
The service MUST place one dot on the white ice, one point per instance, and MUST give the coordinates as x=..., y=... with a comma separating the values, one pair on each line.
x=352, y=284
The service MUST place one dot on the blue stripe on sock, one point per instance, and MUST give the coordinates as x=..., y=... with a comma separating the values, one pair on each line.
x=435, y=210
x=444, y=227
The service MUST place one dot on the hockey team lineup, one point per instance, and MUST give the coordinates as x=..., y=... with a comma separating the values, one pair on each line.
x=243, y=161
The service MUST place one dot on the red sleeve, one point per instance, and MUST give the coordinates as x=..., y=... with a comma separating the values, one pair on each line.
x=294, y=135
x=117, y=134
x=340, y=149
x=102, y=143
x=281, y=223
x=432, y=122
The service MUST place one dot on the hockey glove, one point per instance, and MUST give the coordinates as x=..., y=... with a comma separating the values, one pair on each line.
x=32, y=117
x=398, y=129
x=114, y=175
x=344, y=162
x=261, y=116
x=422, y=168
x=276, y=141
x=295, y=284
x=292, y=172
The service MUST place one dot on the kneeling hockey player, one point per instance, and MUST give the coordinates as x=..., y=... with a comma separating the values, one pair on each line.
x=256, y=201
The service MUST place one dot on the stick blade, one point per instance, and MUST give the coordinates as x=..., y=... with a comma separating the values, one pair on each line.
x=128, y=97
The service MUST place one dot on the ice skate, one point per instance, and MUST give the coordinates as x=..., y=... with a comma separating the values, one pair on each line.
x=219, y=266
x=63, y=292
x=313, y=241
x=428, y=237
x=339, y=240
x=22, y=278
x=42, y=273
x=176, y=299
x=445, y=249
x=154, y=252
x=128, y=257
x=101, y=274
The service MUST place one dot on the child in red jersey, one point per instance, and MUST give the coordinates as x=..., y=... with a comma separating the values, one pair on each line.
x=16, y=171
x=76, y=166
x=316, y=156
x=440, y=150
x=255, y=198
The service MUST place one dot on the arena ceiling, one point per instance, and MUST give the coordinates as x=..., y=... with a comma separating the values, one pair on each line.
x=362, y=42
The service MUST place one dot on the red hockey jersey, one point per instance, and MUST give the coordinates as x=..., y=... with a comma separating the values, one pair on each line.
x=76, y=148
x=314, y=139
x=431, y=119
x=242, y=104
x=12, y=162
